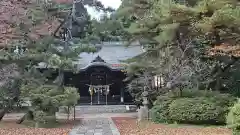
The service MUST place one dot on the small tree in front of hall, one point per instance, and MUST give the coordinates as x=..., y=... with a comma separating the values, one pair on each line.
x=71, y=99
x=46, y=99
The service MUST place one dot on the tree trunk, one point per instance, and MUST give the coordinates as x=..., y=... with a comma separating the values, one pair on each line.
x=28, y=115
x=198, y=87
x=180, y=90
x=36, y=124
x=74, y=112
x=2, y=113
x=217, y=85
x=22, y=119
x=68, y=111
x=218, y=80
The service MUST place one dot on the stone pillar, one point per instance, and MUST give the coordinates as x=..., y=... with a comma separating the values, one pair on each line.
x=143, y=111
x=122, y=95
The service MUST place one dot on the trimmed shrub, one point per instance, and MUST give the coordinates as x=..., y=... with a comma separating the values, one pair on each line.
x=233, y=118
x=193, y=107
x=159, y=112
x=192, y=93
x=199, y=110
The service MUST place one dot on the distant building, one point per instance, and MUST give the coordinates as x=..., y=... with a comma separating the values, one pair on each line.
x=102, y=69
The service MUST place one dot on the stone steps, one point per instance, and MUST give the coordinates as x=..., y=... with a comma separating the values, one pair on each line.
x=97, y=109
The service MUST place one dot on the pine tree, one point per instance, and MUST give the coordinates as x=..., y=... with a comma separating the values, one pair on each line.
x=37, y=43
x=176, y=34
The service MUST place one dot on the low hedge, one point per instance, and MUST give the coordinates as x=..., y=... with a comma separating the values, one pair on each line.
x=193, y=107
x=159, y=112
x=233, y=119
x=199, y=110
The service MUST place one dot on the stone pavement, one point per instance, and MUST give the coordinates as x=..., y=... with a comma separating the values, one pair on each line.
x=91, y=124
x=95, y=126
x=14, y=116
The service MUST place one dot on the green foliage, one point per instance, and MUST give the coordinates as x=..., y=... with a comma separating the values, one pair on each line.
x=43, y=97
x=39, y=116
x=42, y=119
x=46, y=99
x=4, y=101
x=192, y=93
x=233, y=118
x=135, y=88
x=193, y=107
x=105, y=29
x=47, y=95
x=71, y=96
x=198, y=110
x=176, y=37
x=9, y=86
x=160, y=111
x=70, y=100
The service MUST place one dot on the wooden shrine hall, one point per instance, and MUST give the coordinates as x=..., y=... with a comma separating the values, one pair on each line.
x=101, y=74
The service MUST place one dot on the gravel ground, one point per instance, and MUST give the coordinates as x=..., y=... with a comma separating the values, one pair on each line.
x=32, y=131
x=129, y=126
x=11, y=128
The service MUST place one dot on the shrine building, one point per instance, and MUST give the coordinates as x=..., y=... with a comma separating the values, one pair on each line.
x=102, y=73
x=100, y=76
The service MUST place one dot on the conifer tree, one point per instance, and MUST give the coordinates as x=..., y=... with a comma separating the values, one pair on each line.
x=37, y=44
x=180, y=37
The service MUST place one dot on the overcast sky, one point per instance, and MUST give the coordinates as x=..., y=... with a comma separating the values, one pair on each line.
x=107, y=3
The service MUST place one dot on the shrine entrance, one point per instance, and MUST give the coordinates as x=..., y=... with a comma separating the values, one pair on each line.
x=99, y=94
x=99, y=87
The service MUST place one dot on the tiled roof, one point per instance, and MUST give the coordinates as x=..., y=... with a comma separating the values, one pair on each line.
x=111, y=53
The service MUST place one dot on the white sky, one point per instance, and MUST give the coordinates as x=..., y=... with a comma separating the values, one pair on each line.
x=111, y=3
x=107, y=3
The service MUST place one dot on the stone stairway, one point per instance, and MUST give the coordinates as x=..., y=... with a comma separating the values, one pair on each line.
x=97, y=109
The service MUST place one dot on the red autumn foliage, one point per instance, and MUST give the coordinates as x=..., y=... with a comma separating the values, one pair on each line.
x=11, y=128
x=11, y=11
x=225, y=49
x=129, y=126
x=14, y=12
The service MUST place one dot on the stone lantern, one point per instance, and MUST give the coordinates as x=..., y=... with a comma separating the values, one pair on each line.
x=145, y=98
x=143, y=111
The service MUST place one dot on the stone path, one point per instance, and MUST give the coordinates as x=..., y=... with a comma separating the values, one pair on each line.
x=95, y=126
x=91, y=124
x=14, y=116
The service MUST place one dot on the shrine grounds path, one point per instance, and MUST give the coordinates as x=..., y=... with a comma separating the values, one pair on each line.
x=111, y=124
x=87, y=124
x=95, y=126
